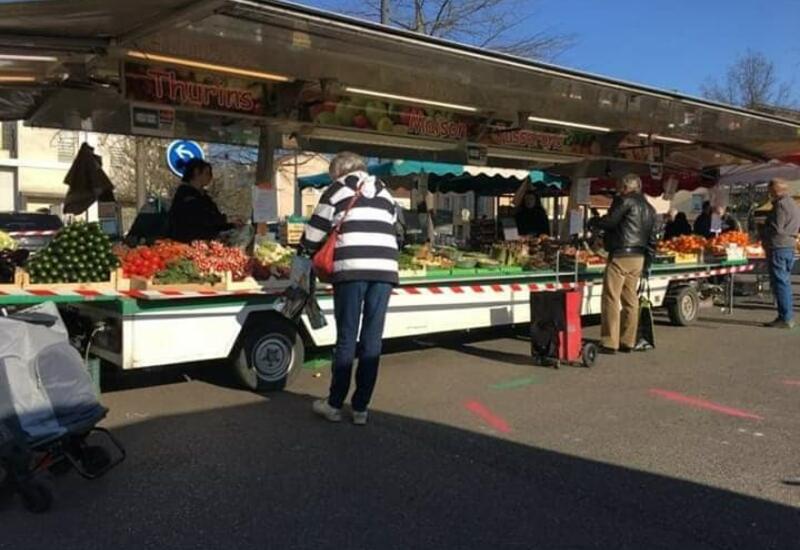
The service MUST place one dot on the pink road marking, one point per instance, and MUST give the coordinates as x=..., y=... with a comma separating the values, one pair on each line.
x=792, y=382
x=481, y=411
x=703, y=404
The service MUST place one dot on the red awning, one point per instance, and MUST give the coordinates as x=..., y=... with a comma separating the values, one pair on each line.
x=655, y=188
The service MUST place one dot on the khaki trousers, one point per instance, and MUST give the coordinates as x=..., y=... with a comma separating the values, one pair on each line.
x=620, y=310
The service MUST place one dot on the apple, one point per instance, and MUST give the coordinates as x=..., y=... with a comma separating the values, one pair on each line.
x=326, y=118
x=361, y=121
x=344, y=114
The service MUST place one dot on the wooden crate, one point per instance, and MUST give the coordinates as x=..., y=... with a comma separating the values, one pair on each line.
x=16, y=284
x=292, y=233
x=687, y=258
x=229, y=285
x=111, y=284
x=137, y=283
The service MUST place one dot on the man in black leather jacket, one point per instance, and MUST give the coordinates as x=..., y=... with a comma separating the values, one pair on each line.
x=630, y=239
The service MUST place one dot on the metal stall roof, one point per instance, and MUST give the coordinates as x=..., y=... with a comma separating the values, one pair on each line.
x=78, y=85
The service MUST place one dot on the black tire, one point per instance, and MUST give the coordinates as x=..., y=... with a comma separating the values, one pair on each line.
x=37, y=496
x=684, y=306
x=269, y=355
x=589, y=354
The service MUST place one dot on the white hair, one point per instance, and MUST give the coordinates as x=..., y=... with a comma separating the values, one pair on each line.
x=346, y=163
x=780, y=186
x=630, y=183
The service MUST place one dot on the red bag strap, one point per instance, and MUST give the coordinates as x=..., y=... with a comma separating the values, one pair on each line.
x=350, y=205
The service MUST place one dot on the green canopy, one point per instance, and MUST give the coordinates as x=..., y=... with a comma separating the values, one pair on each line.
x=447, y=178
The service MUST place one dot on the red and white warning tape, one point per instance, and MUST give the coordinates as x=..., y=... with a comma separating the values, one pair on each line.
x=440, y=289
x=32, y=233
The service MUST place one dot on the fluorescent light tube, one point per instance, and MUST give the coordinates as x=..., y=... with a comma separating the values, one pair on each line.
x=667, y=139
x=14, y=79
x=568, y=124
x=22, y=57
x=207, y=66
x=454, y=106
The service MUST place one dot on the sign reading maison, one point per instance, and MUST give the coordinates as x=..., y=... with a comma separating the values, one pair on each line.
x=191, y=88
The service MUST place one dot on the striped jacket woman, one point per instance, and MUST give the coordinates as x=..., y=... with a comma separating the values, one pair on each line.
x=366, y=248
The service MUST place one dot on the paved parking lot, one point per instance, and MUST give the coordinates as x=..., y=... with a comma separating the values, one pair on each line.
x=469, y=446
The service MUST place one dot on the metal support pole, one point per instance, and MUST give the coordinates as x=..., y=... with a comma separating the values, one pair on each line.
x=265, y=176
x=141, y=183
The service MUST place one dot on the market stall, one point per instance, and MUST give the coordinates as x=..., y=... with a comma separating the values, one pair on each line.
x=271, y=75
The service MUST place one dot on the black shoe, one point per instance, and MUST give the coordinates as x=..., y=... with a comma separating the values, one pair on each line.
x=607, y=351
x=625, y=349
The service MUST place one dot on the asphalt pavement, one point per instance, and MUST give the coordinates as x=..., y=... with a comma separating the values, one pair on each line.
x=469, y=446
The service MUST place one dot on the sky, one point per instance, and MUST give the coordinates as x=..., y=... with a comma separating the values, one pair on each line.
x=669, y=44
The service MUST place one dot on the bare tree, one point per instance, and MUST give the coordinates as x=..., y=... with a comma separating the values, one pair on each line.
x=500, y=25
x=752, y=82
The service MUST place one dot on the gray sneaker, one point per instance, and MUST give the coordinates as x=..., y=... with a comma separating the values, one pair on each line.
x=360, y=418
x=323, y=408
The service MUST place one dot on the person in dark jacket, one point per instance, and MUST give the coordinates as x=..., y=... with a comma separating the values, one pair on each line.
x=678, y=227
x=530, y=215
x=630, y=239
x=702, y=224
x=779, y=238
x=193, y=215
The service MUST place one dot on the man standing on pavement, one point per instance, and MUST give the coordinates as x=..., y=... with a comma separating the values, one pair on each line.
x=630, y=234
x=780, y=239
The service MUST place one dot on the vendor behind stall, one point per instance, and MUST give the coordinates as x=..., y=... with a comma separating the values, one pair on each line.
x=531, y=217
x=193, y=215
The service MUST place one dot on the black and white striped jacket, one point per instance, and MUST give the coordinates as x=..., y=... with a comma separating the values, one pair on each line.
x=366, y=249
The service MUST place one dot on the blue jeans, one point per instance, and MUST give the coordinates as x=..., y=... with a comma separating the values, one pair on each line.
x=781, y=263
x=366, y=302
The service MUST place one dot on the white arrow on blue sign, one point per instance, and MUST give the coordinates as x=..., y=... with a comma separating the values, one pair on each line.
x=180, y=152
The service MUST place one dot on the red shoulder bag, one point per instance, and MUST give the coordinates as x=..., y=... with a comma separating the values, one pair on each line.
x=323, y=259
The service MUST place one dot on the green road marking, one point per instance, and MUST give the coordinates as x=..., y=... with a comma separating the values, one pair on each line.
x=318, y=363
x=516, y=383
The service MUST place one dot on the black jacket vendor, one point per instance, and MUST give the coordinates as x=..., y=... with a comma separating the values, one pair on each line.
x=531, y=217
x=193, y=215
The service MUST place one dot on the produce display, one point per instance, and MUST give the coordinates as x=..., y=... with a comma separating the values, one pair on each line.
x=184, y=271
x=271, y=260
x=7, y=242
x=79, y=253
x=215, y=257
x=169, y=261
x=736, y=238
x=685, y=244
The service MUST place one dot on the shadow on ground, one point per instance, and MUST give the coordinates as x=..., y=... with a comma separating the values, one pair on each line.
x=270, y=475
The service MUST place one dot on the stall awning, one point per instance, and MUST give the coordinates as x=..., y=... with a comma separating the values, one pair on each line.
x=66, y=53
x=446, y=178
x=758, y=173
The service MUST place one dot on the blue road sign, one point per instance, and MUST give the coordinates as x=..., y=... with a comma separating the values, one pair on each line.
x=180, y=152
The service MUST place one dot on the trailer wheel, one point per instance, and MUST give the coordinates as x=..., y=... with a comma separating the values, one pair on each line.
x=269, y=355
x=684, y=306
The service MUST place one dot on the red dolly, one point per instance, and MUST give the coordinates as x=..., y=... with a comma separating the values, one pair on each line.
x=556, y=330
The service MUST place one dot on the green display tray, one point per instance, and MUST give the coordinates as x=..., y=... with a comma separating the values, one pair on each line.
x=488, y=270
x=511, y=269
x=463, y=271
x=437, y=273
